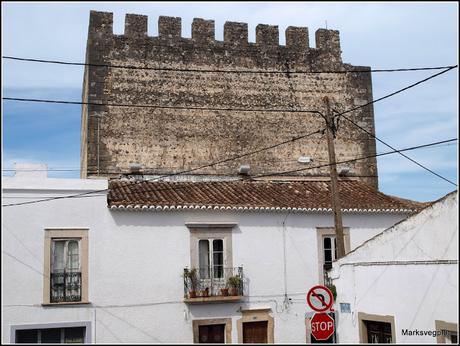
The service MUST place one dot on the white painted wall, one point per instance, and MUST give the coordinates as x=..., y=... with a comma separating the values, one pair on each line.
x=415, y=294
x=136, y=260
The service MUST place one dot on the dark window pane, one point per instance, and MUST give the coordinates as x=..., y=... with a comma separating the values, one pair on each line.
x=335, y=248
x=74, y=335
x=29, y=336
x=218, y=272
x=218, y=245
x=51, y=336
x=218, y=258
x=327, y=256
x=327, y=242
x=211, y=333
x=378, y=332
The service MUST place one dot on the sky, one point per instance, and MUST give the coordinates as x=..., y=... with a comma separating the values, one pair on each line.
x=379, y=35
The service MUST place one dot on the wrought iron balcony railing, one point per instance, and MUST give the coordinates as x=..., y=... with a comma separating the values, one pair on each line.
x=213, y=282
x=65, y=287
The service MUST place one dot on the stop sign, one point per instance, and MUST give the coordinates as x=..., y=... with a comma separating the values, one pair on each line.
x=322, y=326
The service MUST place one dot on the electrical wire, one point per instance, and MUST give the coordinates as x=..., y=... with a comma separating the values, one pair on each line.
x=267, y=110
x=399, y=152
x=127, y=172
x=132, y=67
x=226, y=160
x=355, y=159
x=181, y=172
x=396, y=92
x=232, y=109
x=253, y=177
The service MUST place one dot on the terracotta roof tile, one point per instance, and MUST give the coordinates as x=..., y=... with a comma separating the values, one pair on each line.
x=250, y=195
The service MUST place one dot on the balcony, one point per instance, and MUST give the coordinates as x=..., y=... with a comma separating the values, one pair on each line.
x=215, y=284
x=65, y=287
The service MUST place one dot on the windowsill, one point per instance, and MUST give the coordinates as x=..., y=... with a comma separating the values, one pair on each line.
x=66, y=303
x=212, y=299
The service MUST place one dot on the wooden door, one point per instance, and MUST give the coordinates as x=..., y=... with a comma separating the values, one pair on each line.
x=255, y=332
x=212, y=333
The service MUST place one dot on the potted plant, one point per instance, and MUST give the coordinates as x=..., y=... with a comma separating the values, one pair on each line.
x=205, y=292
x=224, y=291
x=191, y=278
x=333, y=290
x=234, y=282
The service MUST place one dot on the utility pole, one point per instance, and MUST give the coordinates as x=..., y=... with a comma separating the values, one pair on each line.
x=336, y=208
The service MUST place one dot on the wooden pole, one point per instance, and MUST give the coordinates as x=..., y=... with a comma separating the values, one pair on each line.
x=336, y=208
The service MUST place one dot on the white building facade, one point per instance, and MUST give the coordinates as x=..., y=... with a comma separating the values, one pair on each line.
x=91, y=270
x=402, y=285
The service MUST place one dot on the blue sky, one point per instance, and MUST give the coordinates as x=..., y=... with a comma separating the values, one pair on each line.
x=380, y=35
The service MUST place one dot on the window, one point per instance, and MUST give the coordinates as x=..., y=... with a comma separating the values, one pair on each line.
x=65, y=271
x=376, y=328
x=211, y=264
x=448, y=333
x=211, y=258
x=51, y=335
x=66, y=262
x=378, y=332
x=327, y=249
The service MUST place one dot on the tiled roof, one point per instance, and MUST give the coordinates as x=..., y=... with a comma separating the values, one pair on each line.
x=252, y=195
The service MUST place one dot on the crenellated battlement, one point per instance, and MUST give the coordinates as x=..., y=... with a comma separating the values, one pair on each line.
x=208, y=97
x=203, y=33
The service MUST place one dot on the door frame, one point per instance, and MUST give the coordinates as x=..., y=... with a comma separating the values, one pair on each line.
x=256, y=315
x=85, y=324
x=228, y=328
x=363, y=317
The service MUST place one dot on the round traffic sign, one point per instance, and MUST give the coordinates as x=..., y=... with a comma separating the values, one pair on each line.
x=322, y=326
x=319, y=298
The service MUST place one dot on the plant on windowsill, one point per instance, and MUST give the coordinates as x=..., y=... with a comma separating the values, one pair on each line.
x=224, y=291
x=190, y=277
x=205, y=292
x=234, y=282
x=333, y=290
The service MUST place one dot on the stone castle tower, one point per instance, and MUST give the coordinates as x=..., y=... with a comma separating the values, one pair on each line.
x=203, y=117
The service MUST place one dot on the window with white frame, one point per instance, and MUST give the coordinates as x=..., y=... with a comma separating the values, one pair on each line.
x=51, y=335
x=327, y=249
x=65, y=276
x=211, y=258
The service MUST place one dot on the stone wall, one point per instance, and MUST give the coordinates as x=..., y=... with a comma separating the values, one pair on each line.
x=183, y=136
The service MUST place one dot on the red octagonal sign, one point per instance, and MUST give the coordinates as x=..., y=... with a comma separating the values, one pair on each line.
x=322, y=326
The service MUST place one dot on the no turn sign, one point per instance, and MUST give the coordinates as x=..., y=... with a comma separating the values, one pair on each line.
x=319, y=298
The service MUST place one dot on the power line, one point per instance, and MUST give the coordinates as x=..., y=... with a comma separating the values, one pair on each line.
x=132, y=67
x=396, y=92
x=342, y=114
x=355, y=159
x=257, y=176
x=226, y=160
x=160, y=107
x=181, y=172
x=223, y=108
x=94, y=171
x=398, y=151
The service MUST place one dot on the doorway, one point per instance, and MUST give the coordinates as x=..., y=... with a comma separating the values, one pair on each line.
x=255, y=332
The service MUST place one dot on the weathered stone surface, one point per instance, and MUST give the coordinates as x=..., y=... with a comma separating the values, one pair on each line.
x=168, y=140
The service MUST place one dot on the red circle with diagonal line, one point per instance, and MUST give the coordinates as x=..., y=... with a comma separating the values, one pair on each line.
x=319, y=298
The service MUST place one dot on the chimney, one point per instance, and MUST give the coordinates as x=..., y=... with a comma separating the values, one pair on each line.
x=31, y=170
